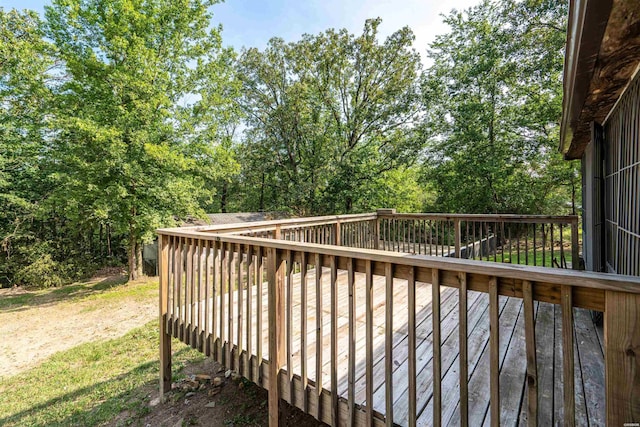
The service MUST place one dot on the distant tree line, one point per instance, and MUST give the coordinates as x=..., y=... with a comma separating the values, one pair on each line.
x=117, y=118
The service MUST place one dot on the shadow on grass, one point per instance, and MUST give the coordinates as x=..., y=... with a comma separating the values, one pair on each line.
x=29, y=299
x=126, y=394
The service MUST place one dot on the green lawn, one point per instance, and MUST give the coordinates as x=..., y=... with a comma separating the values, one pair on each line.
x=90, y=384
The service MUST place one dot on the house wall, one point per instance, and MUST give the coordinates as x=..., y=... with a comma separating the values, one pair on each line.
x=592, y=206
x=622, y=184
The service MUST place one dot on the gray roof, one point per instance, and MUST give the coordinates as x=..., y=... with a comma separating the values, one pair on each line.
x=233, y=218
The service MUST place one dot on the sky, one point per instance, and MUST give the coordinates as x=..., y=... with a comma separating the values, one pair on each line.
x=251, y=23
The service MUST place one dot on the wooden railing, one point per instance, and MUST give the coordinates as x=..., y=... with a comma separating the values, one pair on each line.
x=545, y=241
x=212, y=282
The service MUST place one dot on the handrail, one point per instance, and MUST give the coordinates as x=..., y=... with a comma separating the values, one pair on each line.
x=271, y=224
x=586, y=279
x=559, y=219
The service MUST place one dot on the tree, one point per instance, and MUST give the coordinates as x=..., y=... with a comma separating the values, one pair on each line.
x=327, y=116
x=26, y=63
x=135, y=143
x=493, y=101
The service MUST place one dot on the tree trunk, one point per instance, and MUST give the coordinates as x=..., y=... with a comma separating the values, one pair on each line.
x=261, y=203
x=139, y=271
x=223, y=197
x=133, y=270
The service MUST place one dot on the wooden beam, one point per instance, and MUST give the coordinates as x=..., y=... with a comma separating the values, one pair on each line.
x=437, y=348
x=275, y=276
x=462, y=337
x=530, y=344
x=622, y=358
x=494, y=352
x=165, y=338
x=567, y=357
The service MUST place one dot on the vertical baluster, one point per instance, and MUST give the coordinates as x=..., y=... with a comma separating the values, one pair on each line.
x=223, y=289
x=388, y=344
x=248, y=364
x=535, y=261
x=259, y=308
x=501, y=241
x=474, y=241
x=411, y=284
x=276, y=274
x=335, y=415
x=552, y=244
x=352, y=341
x=319, y=343
x=177, y=279
x=544, y=246
x=172, y=285
x=230, y=280
x=214, y=308
x=289, y=325
x=189, y=299
x=303, y=332
x=437, y=349
x=165, y=338
x=239, y=320
x=530, y=344
x=526, y=244
x=494, y=352
x=369, y=340
x=198, y=294
x=562, y=258
x=495, y=239
x=206, y=334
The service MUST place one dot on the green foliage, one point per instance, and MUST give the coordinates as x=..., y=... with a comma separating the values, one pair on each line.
x=115, y=119
x=493, y=102
x=119, y=117
x=327, y=117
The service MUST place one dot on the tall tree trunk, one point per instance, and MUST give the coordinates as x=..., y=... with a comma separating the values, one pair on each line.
x=133, y=268
x=139, y=271
x=223, y=197
x=261, y=204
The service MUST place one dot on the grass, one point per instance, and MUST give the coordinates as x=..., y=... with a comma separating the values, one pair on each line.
x=90, y=384
x=109, y=289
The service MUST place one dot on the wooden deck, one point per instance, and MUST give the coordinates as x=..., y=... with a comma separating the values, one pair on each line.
x=589, y=361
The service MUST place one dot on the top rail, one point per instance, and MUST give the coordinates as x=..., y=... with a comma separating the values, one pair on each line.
x=536, y=219
x=586, y=279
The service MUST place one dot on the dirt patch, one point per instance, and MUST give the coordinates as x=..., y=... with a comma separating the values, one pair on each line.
x=235, y=402
x=44, y=326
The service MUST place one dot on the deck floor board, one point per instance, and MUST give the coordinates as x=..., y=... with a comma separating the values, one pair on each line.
x=589, y=376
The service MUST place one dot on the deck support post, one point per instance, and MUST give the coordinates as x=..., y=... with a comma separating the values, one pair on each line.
x=458, y=237
x=277, y=352
x=165, y=338
x=575, y=247
x=622, y=357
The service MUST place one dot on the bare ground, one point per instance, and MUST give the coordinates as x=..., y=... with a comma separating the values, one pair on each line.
x=44, y=326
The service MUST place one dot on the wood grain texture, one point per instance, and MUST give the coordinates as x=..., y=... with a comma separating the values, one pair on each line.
x=530, y=344
x=622, y=357
x=494, y=356
x=568, y=357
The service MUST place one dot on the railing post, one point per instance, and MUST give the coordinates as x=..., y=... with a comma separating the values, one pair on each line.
x=622, y=357
x=458, y=237
x=575, y=249
x=277, y=353
x=165, y=338
x=337, y=233
x=385, y=211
